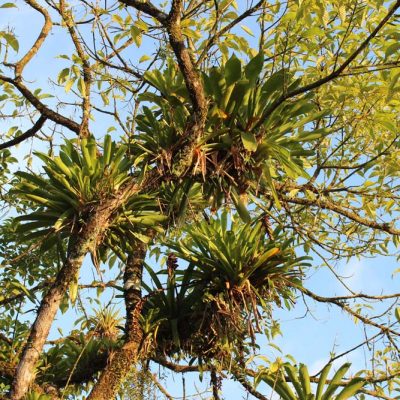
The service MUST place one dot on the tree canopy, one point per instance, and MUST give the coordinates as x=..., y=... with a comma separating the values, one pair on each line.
x=172, y=176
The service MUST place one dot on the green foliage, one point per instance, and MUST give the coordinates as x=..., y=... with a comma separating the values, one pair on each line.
x=233, y=149
x=227, y=279
x=9, y=38
x=77, y=359
x=75, y=181
x=239, y=254
x=300, y=143
x=6, y=161
x=300, y=380
x=37, y=396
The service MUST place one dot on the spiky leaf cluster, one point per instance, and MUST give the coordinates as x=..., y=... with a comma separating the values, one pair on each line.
x=299, y=377
x=235, y=274
x=77, y=180
x=240, y=143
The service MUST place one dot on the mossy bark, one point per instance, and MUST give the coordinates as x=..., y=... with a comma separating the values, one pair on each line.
x=87, y=238
x=45, y=316
x=121, y=361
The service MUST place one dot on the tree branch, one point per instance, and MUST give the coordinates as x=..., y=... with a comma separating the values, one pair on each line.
x=215, y=382
x=345, y=307
x=29, y=133
x=5, y=339
x=190, y=75
x=175, y=367
x=86, y=71
x=20, y=65
x=120, y=362
x=148, y=8
x=160, y=387
x=227, y=28
x=42, y=108
x=85, y=239
x=249, y=387
x=336, y=73
x=329, y=205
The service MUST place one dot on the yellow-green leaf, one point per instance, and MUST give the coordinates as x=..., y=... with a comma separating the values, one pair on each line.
x=249, y=141
x=247, y=30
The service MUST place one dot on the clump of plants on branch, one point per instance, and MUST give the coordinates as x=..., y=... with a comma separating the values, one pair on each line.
x=76, y=180
x=224, y=296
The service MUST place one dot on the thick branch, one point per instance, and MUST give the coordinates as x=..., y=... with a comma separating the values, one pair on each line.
x=195, y=125
x=190, y=75
x=148, y=8
x=121, y=361
x=45, y=316
x=29, y=133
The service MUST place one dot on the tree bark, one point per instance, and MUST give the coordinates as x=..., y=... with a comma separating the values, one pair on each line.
x=121, y=361
x=45, y=316
x=88, y=238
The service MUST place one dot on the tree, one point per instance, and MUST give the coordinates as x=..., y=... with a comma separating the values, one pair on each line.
x=241, y=146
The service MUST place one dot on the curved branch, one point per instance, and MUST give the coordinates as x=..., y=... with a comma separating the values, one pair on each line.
x=29, y=133
x=329, y=205
x=172, y=22
x=190, y=75
x=345, y=307
x=20, y=65
x=42, y=108
x=148, y=8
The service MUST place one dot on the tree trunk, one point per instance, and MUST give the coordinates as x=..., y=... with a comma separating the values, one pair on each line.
x=44, y=319
x=121, y=361
x=88, y=238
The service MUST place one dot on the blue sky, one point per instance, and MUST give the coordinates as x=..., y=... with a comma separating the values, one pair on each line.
x=310, y=333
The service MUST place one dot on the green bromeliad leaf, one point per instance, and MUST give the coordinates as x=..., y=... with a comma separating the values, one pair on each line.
x=300, y=379
x=75, y=180
x=238, y=253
